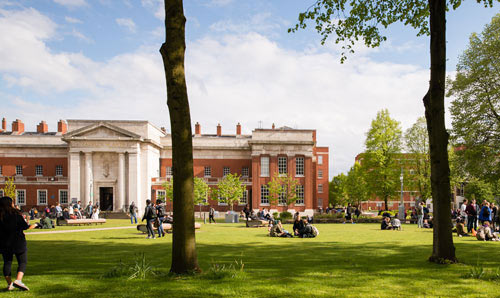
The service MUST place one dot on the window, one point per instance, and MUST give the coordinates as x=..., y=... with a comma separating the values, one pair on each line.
x=1, y=171
x=168, y=171
x=412, y=172
x=38, y=170
x=320, y=174
x=1, y=192
x=59, y=170
x=299, y=166
x=21, y=197
x=299, y=191
x=320, y=188
x=226, y=171
x=282, y=196
x=208, y=172
x=264, y=166
x=244, y=172
x=320, y=159
x=264, y=195
x=19, y=170
x=244, y=199
x=221, y=201
x=282, y=165
x=160, y=195
x=42, y=197
x=63, y=196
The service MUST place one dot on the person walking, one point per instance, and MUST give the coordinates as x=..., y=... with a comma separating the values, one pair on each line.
x=211, y=214
x=420, y=215
x=13, y=242
x=150, y=217
x=160, y=213
x=133, y=213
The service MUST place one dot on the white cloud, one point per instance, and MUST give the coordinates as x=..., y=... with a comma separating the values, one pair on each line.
x=127, y=23
x=71, y=3
x=81, y=36
x=263, y=23
x=73, y=20
x=156, y=6
x=247, y=74
x=218, y=2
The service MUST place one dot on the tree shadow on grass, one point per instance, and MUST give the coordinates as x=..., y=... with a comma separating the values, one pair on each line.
x=283, y=261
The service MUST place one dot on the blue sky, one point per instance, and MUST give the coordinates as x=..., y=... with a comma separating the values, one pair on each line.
x=98, y=59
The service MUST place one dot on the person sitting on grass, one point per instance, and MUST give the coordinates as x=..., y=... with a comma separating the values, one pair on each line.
x=298, y=225
x=461, y=228
x=278, y=231
x=484, y=233
x=309, y=231
x=45, y=222
x=396, y=224
x=386, y=224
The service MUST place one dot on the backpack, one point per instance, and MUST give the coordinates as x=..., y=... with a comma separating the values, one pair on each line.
x=315, y=231
x=161, y=211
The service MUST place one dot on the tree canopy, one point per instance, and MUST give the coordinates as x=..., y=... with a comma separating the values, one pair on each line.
x=475, y=109
x=417, y=145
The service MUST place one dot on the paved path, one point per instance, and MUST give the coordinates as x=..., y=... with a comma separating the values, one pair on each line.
x=81, y=230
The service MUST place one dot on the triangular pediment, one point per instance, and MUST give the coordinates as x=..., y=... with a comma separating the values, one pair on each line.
x=102, y=130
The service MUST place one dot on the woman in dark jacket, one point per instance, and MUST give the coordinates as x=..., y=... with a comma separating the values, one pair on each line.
x=13, y=242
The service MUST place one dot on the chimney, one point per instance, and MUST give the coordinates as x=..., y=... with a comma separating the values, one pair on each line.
x=238, y=129
x=4, y=125
x=17, y=127
x=219, y=130
x=197, y=129
x=163, y=129
x=273, y=126
x=42, y=127
x=62, y=127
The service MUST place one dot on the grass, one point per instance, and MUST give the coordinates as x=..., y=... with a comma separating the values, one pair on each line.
x=110, y=223
x=344, y=261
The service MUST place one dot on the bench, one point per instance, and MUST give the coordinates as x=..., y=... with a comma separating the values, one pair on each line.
x=166, y=227
x=255, y=223
x=79, y=222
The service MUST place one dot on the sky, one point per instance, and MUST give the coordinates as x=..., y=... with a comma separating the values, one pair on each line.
x=99, y=59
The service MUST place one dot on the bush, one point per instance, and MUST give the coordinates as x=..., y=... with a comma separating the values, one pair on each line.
x=275, y=215
x=285, y=215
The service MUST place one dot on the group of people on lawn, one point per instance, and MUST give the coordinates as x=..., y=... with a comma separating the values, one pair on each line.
x=482, y=221
x=302, y=228
x=155, y=215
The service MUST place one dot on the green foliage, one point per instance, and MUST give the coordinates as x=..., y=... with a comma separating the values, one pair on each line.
x=475, y=109
x=479, y=190
x=201, y=190
x=383, y=147
x=119, y=270
x=229, y=190
x=417, y=144
x=9, y=189
x=283, y=189
x=356, y=186
x=285, y=215
x=337, y=190
x=141, y=269
x=476, y=272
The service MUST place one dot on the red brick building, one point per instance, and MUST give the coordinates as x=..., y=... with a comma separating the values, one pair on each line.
x=117, y=162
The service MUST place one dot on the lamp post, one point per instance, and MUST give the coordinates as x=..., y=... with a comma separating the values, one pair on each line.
x=401, y=210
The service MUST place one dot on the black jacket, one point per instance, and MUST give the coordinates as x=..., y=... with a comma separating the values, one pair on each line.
x=12, y=237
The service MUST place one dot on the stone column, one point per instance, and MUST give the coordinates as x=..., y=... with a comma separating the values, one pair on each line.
x=134, y=181
x=120, y=198
x=74, y=176
x=88, y=180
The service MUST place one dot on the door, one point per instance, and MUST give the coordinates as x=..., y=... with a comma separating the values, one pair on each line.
x=106, y=198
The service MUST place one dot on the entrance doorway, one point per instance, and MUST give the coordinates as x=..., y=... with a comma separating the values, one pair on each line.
x=106, y=198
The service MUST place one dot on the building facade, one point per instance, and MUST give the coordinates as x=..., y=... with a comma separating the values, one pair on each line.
x=114, y=163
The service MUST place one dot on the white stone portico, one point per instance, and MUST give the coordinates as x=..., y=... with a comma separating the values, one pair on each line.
x=111, y=162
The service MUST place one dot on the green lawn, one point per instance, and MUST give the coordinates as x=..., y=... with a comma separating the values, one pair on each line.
x=110, y=223
x=343, y=261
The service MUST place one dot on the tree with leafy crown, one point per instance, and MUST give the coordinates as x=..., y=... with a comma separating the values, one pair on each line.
x=356, y=185
x=283, y=190
x=229, y=190
x=382, y=159
x=475, y=109
x=337, y=195
x=417, y=145
x=200, y=191
x=9, y=189
x=355, y=20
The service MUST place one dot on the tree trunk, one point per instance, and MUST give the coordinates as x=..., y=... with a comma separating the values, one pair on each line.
x=385, y=203
x=443, y=249
x=184, y=259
